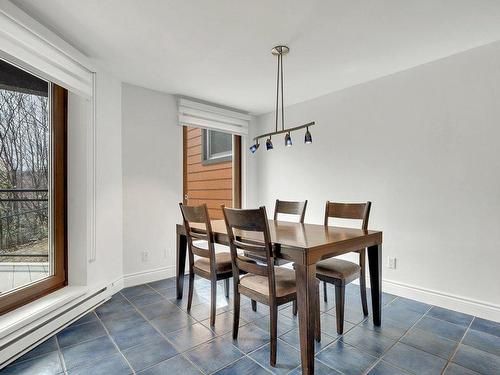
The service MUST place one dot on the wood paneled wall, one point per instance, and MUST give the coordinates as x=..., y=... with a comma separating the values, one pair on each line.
x=210, y=184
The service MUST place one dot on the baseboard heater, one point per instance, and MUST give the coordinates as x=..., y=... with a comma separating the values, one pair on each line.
x=31, y=338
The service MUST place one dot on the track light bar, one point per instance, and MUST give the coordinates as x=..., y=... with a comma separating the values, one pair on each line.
x=288, y=130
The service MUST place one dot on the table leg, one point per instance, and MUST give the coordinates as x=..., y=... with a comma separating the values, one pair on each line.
x=180, y=263
x=306, y=301
x=375, y=266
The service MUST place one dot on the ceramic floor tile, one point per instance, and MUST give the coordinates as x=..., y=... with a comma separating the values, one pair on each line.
x=172, y=322
x=49, y=345
x=319, y=369
x=76, y=334
x=441, y=328
x=454, y=369
x=243, y=366
x=292, y=338
x=144, y=356
x=389, y=328
x=175, y=365
x=250, y=337
x=484, y=341
x=384, y=368
x=162, y=284
x=114, y=364
x=214, y=355
x=346, y=358
x=430, y=343
x=223, y=323
x=488, y=326
x=137, y=290
x=451, y=316
x=414, y=360
x=426, y=341
x=287, y=358
x=477, y=360
x=368, y=341
x=47, y=364
x=410, y=304
x=141, y=334
x=84, y=353
x=147, y=298
x=190, y=336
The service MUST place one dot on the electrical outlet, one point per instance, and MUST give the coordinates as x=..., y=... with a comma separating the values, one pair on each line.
x=391, y=262
x=144, y=256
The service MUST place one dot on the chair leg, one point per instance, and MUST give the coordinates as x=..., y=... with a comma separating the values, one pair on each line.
x=339, y=307
x=213, y=301
x=254, y=305
x=236, y=314
x=294, y=307
x=226, y=287
x=318, y=317
x=274, y=332
x=325, y=298
x=191, y=287
x=362, y=282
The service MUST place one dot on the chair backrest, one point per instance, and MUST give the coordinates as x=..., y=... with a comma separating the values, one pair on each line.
x=290, y=208
x=253, y=221
x=355, y=211
x=201, y=232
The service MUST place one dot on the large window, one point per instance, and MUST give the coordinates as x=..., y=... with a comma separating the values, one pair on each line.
x=32, y=187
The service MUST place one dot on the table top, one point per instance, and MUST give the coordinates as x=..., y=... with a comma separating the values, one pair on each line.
x=307, y=236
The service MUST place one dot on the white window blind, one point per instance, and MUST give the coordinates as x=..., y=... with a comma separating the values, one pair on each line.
x=28, y=44
x=193, y=113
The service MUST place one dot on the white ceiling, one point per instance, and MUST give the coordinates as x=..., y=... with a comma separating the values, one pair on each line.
x=219, y=50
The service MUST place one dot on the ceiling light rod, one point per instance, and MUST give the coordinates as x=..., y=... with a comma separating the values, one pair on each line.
x=284, y=131
x=279, y=52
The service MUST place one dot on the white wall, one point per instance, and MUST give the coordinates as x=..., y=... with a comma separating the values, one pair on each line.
x=423, y=146
x=109, y=250
x=152, y=182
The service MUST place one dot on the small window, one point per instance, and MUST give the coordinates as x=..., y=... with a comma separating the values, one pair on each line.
x=217, y=146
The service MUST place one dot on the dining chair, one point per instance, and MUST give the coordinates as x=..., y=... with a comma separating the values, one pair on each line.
x=290, y=208
x=283, y=208
x=210, y=265
x=266, y=283
x=341, y=272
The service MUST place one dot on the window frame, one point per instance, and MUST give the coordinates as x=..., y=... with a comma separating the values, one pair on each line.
x=30, y=292
x=207, y=157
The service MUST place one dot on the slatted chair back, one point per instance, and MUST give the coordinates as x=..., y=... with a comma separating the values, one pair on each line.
x=354, y=211
x=198, y=232
x=254, y=223
x=290, y=208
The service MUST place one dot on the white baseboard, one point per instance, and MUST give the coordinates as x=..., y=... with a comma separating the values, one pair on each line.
x=148, y=276
x=465, y=305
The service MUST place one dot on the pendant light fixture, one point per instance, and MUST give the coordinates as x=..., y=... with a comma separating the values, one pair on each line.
x=279, y=52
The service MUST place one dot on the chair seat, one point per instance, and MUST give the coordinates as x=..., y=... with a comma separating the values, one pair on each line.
x=222, y=260
x=284, y=278
x=338, y=269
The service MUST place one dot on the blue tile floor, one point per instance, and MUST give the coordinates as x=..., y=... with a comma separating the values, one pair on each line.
x=145, y=330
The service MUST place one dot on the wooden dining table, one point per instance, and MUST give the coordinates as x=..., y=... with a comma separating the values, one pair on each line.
x=305, y=245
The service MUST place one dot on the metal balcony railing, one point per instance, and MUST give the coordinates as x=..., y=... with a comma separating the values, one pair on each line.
x=23, y=220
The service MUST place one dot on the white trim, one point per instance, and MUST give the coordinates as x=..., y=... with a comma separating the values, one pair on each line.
x=447, y=300
x=193, y=113
x=148, y=276
x=31, y=45
x=92, y=176
x=450, y=301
